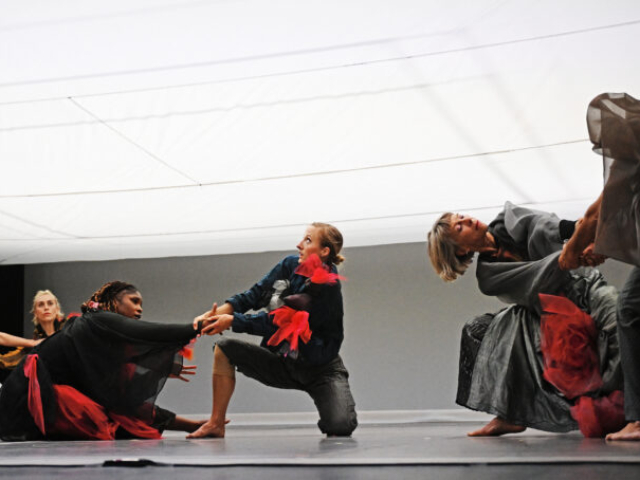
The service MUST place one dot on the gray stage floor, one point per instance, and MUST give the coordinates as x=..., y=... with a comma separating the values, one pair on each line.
x=411, y=450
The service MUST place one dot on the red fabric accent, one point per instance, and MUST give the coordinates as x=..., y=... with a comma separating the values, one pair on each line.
x=317, y=272
x=307, y=267
x=34, y=400
x=128, y=371
x=187, y=350
x=135, y=426
x=294, y=326
x=569, y=347
x=79, y=417
x=597, y=417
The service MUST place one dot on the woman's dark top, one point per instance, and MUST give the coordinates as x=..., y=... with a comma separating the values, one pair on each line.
x=325, y=311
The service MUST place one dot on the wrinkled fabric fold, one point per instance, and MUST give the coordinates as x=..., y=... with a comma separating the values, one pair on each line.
x=613, y=120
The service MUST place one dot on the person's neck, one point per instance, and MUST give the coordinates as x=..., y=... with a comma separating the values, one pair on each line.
x=48, y=328
x=489, y=245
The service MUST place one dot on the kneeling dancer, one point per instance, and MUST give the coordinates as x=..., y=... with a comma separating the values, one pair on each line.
x=301, y=335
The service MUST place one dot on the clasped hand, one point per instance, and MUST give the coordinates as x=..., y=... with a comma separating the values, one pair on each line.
x=212, y=323
x=588, y=258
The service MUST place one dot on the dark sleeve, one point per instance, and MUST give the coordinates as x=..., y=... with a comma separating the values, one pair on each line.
x=521, y=282
x=120, y=327
x=537, y=232
x=258, y=296
x=162, y=418
x=567, y=227
x=256, y=324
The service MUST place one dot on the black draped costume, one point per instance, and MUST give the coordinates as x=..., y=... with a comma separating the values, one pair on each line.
x=501, y=365
x=10, y=357
x=119, y=363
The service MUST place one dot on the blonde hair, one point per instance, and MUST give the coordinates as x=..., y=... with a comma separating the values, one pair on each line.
x=442, y=250
x=330, y=237
x=39, y=294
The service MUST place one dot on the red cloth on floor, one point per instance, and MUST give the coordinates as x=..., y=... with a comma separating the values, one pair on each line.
x=79, y=417
x=135, y=426
x=597, y=417
x=569, y=347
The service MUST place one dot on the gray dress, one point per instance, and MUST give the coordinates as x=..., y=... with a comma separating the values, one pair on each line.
x=501, y=362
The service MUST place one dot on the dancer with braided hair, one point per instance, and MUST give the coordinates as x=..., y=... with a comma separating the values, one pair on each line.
x=125, y=299
x=98, y=378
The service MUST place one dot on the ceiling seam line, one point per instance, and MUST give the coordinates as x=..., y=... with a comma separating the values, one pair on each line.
x=248, y=106
x=135, y=144
x=303, y=175
x=348, y=65
x=34, y=224
x=292, y=225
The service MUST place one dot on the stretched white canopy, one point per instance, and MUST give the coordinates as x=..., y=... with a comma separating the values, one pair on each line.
x=141, y=128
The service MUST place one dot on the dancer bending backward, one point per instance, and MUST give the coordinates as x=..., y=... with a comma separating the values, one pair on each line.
x=501, y=364
x=98, y=378
x=613, y=223
x=315, y=366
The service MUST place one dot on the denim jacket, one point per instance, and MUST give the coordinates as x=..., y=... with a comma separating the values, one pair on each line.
x=325, y=311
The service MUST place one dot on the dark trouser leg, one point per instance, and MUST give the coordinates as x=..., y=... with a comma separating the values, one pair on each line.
x=258, y=363
x=331, y=393
x=629, y=338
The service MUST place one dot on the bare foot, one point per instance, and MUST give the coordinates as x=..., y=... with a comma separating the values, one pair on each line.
x=194, y=425
x=208, y=430
x=497, y=427
x=631, y=432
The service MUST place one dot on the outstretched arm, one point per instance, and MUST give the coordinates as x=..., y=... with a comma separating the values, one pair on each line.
x=583, y=236
x=7, y=340
x=121, y=328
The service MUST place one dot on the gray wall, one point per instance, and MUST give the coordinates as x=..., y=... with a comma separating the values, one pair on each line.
x=402, y=322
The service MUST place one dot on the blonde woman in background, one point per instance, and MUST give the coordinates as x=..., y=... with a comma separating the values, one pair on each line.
x=48, y=319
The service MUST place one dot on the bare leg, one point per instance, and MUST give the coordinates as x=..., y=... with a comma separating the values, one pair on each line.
x=497, y=427
x=631, y=432
x=224, y=383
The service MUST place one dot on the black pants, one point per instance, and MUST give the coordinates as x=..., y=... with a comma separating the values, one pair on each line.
x=328, y=385
x=629, y=338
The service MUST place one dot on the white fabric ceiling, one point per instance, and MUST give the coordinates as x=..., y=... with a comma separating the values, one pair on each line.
x=141, y=128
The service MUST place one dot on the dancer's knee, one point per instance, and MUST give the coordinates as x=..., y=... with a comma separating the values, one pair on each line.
x=339, y=424
x=221, y=364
